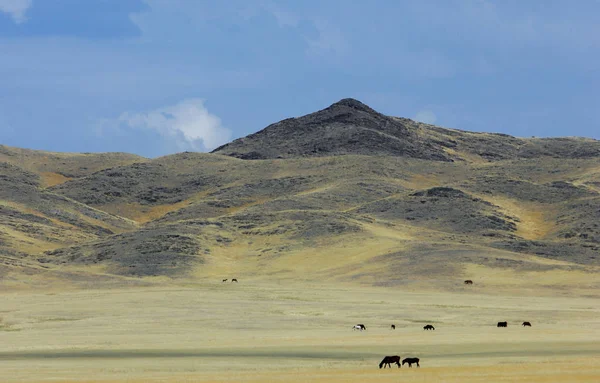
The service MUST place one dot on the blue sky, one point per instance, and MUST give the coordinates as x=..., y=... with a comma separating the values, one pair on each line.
x=155, y=77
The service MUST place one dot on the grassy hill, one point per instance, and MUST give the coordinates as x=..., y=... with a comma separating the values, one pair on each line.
x=343, y=194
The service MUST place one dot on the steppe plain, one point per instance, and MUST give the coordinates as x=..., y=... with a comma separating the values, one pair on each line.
x=112, y=264
x=260, y=331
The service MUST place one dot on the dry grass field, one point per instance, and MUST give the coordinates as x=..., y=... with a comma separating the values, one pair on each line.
x=285, y=331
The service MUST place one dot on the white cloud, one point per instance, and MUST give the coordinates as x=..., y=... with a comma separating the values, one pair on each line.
x=16, y=9
x=426, y=116
x=188, y=124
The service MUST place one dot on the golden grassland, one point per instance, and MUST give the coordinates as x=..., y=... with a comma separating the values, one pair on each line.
x=290, y=317
x=293, y=331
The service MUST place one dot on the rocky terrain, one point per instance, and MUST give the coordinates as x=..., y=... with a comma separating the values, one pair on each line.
x=346, y=193
x=351, y=127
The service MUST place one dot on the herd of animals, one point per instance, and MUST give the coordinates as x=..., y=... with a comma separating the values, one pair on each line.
x=362, y=327
x=391, y=359
x=388, y=360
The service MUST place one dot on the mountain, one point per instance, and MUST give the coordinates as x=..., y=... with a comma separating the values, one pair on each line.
x=343, y=194
x=351, y=127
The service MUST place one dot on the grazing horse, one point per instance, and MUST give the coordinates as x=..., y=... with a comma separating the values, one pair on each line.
x=468, y=282
x=393, y=327
x=388, y=360
x=359, y=327
x=502, y=324
x=224, y=280
x=234, y=280
x=428, y=327
x=410, y=361
x=526, y=324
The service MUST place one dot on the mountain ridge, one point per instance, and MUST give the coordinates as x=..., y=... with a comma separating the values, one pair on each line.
x=351, y=127
x=464, y=200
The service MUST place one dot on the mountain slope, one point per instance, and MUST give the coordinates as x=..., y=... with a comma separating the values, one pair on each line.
x=271, y=208
x=383, y=201
x=33, y=219
x=350, y=127
x=55, y=168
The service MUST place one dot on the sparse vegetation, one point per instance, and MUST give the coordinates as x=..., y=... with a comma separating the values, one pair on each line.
x=397, y=191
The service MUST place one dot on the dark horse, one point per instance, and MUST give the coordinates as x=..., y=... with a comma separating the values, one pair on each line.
x=234, y=280
x=502, y=324
x=410, y=361
x=224, y=280
x=526, y=324
x=388, y=360
x=468, y=282
x=428, y=327
x=393, y=327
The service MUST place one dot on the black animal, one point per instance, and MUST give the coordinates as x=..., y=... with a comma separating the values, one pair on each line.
x=388, y=360
x=224, y=280
x=359, y=327
x=468, y=282
x=393, y=327
x=428, y=327
x=410, y=361
x=526, y=324
x=502, y=324
x=234, y=280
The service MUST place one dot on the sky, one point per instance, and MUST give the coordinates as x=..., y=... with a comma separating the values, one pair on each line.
x=155, y=77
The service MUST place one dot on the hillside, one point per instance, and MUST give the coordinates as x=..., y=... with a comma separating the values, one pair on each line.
x=55, y=168
x=351, y=127
x=345, y=194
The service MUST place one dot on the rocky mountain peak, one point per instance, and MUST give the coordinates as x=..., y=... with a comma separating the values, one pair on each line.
x=353, y=104
x=348, y=126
